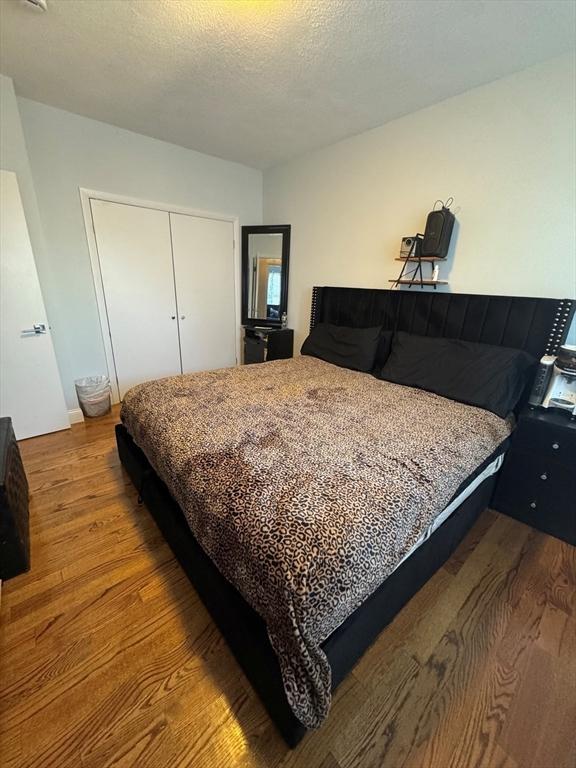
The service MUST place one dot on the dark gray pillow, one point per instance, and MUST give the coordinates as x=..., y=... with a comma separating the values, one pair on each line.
x=483, y=375
x=348, y=347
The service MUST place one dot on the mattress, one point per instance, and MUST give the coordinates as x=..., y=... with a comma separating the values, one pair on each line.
x=307, y=485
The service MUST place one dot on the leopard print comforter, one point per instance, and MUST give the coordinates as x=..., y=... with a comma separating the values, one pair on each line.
x=306, y=484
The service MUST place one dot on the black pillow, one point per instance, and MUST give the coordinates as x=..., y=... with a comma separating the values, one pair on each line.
x=483, y=375
x=348, y=347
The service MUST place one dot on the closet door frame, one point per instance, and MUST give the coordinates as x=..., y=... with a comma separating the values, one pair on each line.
x=86, y=195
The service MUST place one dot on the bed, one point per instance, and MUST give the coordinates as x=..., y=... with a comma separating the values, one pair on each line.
x=298, y=629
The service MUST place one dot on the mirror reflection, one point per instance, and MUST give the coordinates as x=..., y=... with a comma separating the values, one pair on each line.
x=265, y=276
x=265, y=255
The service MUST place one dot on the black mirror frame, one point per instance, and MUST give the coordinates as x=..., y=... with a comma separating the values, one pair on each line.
x=270, y=229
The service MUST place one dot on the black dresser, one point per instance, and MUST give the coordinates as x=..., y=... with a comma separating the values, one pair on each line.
x=14, y=536
x=537, y=484
x=263, y=344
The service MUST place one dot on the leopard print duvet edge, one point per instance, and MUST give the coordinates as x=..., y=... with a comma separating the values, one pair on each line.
x=306, y=484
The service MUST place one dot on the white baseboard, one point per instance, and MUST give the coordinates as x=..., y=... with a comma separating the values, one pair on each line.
x=75, y=415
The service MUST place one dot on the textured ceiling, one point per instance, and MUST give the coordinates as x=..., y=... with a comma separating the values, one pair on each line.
x=261, y=81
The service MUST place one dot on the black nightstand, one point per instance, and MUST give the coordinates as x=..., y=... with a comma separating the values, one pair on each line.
x=537, y=484
x=263, y=344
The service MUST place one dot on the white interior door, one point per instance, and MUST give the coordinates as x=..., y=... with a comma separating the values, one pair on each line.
x=204, y=269
x=138, y=280
x=30, y=387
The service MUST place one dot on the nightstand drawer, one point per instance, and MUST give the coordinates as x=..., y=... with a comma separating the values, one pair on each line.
x=539, y=491
x=546, y=440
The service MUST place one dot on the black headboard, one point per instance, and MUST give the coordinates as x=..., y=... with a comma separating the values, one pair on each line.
x=538, y=326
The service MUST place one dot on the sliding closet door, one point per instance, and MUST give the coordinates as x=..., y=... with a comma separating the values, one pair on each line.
x=204, y=270
x=138, y=280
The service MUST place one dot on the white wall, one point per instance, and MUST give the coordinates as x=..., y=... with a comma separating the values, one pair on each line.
x=14, y=157
x=505, y=151
x=66, y=152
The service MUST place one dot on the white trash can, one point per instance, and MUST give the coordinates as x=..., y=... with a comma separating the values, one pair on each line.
x=94, y=395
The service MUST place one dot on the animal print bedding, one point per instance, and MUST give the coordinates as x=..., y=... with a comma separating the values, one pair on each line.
x=306, y=484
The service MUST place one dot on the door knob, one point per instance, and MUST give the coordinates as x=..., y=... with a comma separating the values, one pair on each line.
x=182, y=317
x=173, y=317
x=37, y=329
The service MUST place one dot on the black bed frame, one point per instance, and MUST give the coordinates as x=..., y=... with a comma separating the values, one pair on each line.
x=538, y=326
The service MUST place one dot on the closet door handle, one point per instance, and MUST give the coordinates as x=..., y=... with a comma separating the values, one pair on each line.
x=182, y=317
x=173, y=317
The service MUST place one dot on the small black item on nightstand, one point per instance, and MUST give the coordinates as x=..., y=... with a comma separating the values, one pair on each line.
x=264, y=344
x=14, y=536
x=537, y=484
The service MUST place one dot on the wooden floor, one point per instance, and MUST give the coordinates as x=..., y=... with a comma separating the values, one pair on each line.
x=109, y=659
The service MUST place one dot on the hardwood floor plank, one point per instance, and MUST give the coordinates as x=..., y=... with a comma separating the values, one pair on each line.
x=471, y=541
x=430, y=624
x=125, y=703
x=34, y=587
x=330, y=762
x=109, y=659
x=312, y=751
x=113, y=622
x=435, y=695
x=11, y=748
x=370, y=738
x=484, y=701
x=546, y=697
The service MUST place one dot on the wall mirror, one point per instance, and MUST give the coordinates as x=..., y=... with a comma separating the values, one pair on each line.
x=265, y=257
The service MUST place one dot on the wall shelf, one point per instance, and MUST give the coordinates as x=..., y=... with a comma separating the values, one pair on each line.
x=415, y=276
x=422, y=258
x=419, y=282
